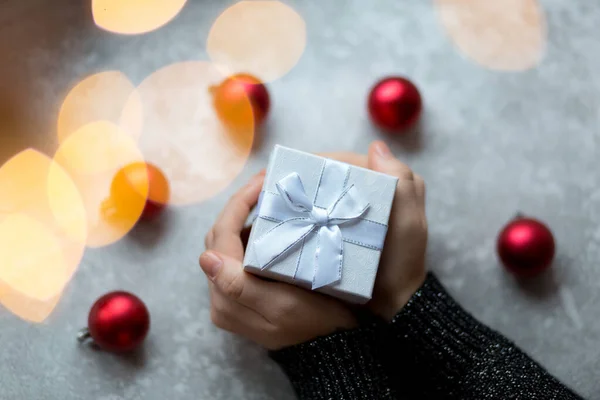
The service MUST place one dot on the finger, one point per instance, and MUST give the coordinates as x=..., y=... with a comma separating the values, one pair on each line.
x=208, y=239
x=381, y=159
x=420, y=189
x=228, y=276
x=360, y=160
x=236, y=211
x=234, y=317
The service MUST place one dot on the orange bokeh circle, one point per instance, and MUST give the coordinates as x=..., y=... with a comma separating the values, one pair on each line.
x=263, y=38
x=31, y=260
x=31, y=183
x=183, y=136
x=130, y=17
x=100, y=96
x=43, y=230
x=505, y=35
x=93, y=156
x=27, y=308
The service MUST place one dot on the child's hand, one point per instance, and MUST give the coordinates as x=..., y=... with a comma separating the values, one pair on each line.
x=272, y=314
x=402, y=265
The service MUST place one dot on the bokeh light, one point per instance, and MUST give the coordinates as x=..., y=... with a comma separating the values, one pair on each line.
x=263, y=38
x=42, y=234
x=93, y=155
x=100, y=96
x=501, y=35
x=27, y=308
x=31, y=260
x=183, y=136
x=31, y=183
x=132, y=17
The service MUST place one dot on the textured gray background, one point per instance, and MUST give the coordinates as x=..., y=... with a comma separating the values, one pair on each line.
x=491, y=143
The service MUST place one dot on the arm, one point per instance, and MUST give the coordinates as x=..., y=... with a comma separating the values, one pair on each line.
x=343, y=366
x=432, y=349
x=449, y=354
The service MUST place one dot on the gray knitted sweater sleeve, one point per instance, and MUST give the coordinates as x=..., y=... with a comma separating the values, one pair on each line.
x=433, y=349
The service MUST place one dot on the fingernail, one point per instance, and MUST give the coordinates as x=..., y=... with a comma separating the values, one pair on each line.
x=256, y=179
x=383, y=150
x=211, y=264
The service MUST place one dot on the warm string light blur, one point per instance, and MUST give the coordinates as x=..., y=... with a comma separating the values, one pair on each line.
x=96, y=188
x=28, y=308
x=501, y=35
x=263, y=38
x=98, y=97
x=32, y=260
x=92, y=192
x=183, y=136
x=93, y=155
x=131, y=17
x=42, y=234
x=31, y=183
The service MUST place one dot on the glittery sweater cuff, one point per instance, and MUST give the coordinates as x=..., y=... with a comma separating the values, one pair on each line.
x=449, y=355
x=343, y=366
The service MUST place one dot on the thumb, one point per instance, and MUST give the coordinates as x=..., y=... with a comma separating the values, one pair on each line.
x=228, y=276
x=381, y=159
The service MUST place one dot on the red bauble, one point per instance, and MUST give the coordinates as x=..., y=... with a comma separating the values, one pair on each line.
x=526, y=247
x=141, y=179
x=394, y=104
x=118, y=322
x=232, y=95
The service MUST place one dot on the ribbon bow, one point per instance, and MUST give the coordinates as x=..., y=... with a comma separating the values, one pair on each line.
x=300, y=217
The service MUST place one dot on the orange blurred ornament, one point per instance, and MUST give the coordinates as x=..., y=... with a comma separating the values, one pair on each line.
x=130, y=183
x=230, y=99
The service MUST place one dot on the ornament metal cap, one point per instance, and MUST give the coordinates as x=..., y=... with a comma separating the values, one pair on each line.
x=84, y=335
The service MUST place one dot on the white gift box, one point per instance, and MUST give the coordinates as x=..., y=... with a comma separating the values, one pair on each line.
x=320, y=224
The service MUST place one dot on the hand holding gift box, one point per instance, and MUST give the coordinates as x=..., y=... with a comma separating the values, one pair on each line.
x=320, y=224
x=277, y=315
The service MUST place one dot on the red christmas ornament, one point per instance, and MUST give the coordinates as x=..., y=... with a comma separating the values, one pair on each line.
x=394, y=104
x=232, y=95
x=118, y=322
x=137, y=179
x=526, y=247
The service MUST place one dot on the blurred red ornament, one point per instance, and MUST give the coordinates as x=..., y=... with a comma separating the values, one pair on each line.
x=526, y=247
x=394, y=104
x=141, y=179
x=118, y=321
x=231, y=98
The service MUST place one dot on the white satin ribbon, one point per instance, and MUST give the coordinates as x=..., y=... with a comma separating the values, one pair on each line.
x=298, y=217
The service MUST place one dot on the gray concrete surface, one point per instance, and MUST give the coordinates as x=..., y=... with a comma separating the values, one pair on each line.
x=490, y=144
